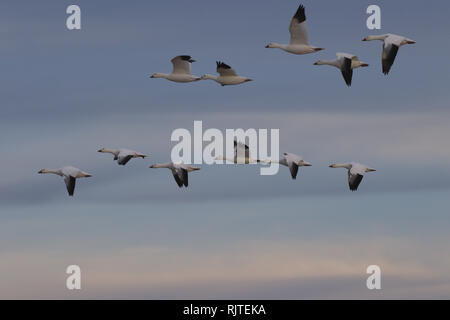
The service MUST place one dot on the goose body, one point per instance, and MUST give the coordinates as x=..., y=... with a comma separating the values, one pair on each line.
x=241, y=155
x=123, y=155
x=181, y=70
x=299, y=43
x=179, y=171
x=293, y=162
x=227, y=76
x=345, y=62
x=391, y=44
x=356, y=173
x=70, y=174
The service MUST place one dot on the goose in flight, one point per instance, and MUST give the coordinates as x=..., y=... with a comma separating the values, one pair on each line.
x=70, y=174
x=391, y=44
x=123, y=155
x=356, y=172
x=299, y=43
x=179, y=171
x=181, y=70
x=292, y=161
x=227, y=76
x=241, y=155
x=346, y=63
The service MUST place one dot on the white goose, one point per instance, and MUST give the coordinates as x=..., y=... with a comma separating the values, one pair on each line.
x=391, y=44
x=123, y=155
x=299, y=43
x=179, y=171
x=345, y=62
x=292, y=161
x=241, y=155
x=356, y=172
x=181, y=70
x=70, y=174
x=228, y=76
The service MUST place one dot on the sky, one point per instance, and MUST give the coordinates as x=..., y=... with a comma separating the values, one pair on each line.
x=233, y=234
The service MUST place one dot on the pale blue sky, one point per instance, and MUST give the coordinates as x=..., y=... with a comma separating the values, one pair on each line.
x=66, y=93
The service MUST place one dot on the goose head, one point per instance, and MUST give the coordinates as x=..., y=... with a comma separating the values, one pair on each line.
x=273, y=45
x=360, y=64
x=304, y=164
x=408, y=41
x=207, y=76
x=160, y=165
x=84, y=175
x=158, y=75
x=341, y=165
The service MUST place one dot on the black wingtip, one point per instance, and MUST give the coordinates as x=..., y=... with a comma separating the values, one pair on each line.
x=388, y=62
x=222, y=65
x=300, y=14
x=354, y=182
x=347, y=72
x=187, y=58
x=386, y=69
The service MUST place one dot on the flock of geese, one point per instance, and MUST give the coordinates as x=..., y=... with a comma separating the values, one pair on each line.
x=180, y=171
x=299, y=44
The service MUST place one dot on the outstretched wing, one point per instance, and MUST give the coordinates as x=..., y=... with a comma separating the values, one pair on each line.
x=178, y=177
x=182, y=64
x=355, y=176
x=70, y=184
x=225, y=70
x=292, y=161
x=122, y=160
x=293, y=167
x=347, y=71
x=297, y=28
x=184, y=174
x=354, y=180
x=388, y=57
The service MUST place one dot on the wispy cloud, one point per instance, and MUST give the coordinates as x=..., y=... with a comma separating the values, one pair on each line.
x=294, y=268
